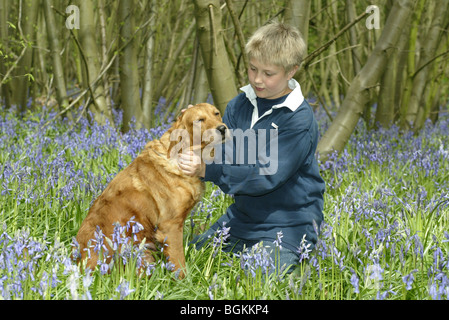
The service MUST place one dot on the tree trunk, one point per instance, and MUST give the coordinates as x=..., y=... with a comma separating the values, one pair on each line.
x=201, y=90
x=388, y=101
x=129, y=79
x=350, y=8
x=27, y=29
x=170, y=62
x=5, y=89
x=104, y=52
x=53, y=41
x=91, y=56
x=148, y=84
x=421, y=76
x=357, y=96
x=297, y=14
x=218, y=68
x=430, y=103
x=411, y=64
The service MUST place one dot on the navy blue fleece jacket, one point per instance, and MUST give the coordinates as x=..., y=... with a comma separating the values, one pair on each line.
x=289, y=196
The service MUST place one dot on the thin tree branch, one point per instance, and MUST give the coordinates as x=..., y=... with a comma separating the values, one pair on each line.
x=318, y=51
x=238, y=31
x=429, y=62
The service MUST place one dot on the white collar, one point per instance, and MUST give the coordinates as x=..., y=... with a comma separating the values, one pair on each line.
x=293, y=101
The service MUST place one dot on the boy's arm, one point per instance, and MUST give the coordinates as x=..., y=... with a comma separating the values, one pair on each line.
x=294, y=147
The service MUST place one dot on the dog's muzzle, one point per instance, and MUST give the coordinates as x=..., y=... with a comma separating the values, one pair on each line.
x=223, y=131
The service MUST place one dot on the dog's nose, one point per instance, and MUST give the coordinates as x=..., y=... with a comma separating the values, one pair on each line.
x=222, y=129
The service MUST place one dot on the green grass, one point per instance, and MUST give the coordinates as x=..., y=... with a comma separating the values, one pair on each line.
x=386, y=220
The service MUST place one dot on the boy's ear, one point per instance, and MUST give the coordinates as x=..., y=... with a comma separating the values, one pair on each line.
x=292, y=72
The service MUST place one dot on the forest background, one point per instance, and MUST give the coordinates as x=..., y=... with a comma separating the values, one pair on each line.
x=133, y=55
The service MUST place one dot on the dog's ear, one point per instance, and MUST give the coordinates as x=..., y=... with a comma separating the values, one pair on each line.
x=178, y=124
x=178, y=121
x=179, y=141
x=170, y=148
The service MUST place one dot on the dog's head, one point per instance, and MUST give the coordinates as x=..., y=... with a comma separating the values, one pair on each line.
x=198, y=128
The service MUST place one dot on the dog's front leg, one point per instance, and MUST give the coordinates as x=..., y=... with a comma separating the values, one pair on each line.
x=170, y=236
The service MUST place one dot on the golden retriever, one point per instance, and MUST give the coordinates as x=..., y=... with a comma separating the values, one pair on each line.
x=154, y=191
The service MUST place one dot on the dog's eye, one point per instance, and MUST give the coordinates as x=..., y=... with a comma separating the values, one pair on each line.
x=217, y=114
x=199, y=120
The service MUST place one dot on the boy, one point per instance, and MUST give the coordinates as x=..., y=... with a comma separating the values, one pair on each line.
x=290, y=199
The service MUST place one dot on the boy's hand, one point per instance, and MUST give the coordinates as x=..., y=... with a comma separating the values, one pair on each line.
x=190, y=164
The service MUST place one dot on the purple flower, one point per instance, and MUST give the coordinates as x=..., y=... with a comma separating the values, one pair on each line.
x=104, y=268
x=355, y=282
x=303, y=249
x=408, y=280
x=433, y=291
x=169, y=266
x=385, y=294
x=278, y=241
x=99, y=242
x=124, y=289
x=75, y=249
x=221, y=235
x=256, y=258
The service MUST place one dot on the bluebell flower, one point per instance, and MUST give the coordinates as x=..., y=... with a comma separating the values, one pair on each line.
x=73, y=285
x=375, y=272
x=383, y=295
x=158, y=296
x=168, y=265
x=433, y=291
x=446, y=235
x=408, y=280
x=75, y=249
x=303, y=249
x=149, y=268
x=220, y=237
x=355, y=282
x=256, y=258
x=100, y=245
x=338, y=258
x=278, y=241
x=124, y=290
x=104, y=267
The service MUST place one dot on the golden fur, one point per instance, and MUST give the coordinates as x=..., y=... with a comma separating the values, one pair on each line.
x=154, y=191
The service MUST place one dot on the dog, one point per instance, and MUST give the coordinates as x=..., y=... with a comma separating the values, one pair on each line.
x=154, y=191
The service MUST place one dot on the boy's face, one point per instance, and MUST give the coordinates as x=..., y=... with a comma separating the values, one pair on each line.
x=269, y=81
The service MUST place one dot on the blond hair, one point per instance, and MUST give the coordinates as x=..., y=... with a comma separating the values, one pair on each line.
x=277, y=43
